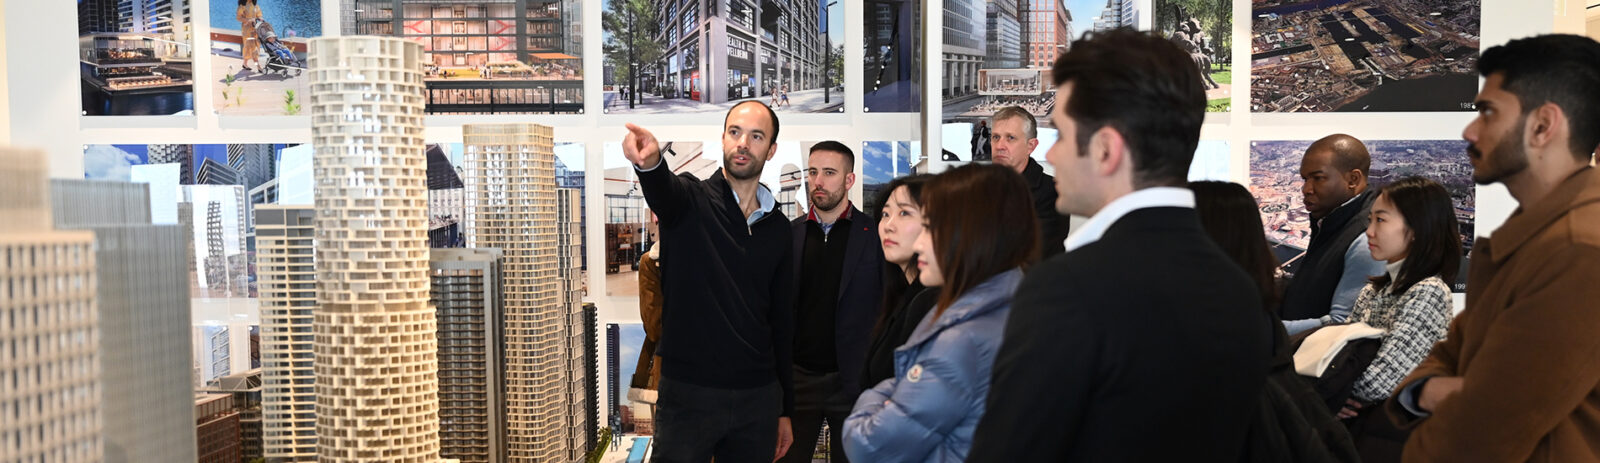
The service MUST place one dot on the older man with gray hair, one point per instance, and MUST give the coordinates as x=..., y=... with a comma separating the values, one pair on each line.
x=1014, y=135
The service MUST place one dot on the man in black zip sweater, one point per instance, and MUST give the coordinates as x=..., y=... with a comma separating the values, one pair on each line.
x=727, y=320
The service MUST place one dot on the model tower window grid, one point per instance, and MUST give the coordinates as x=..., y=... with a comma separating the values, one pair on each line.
x=466, y=290
x=512, y=206
x=142, y=284
x=48, y=325
x=569, y=240
x=375, y=352
x=287, y=280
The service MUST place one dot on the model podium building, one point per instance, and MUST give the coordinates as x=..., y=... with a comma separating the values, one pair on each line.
x=512, y=205
x=50, y=399
x=376, y=355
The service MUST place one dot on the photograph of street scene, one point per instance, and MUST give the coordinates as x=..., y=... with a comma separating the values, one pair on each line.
x=632, y=423
x=258, y=52
x=1363, y=55
x=1204, y=28
x=631, y=230
x=486, y=57
x=136, y=57
x=998, y=53
x=661, y=56
x=1275, y=182
x=892, y=79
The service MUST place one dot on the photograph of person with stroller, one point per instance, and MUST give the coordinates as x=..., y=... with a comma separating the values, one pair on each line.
x=258, y=50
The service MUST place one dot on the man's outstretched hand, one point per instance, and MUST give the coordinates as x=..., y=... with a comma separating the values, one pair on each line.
x=641, y=147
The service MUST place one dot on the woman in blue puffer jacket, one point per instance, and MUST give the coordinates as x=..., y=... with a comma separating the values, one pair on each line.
x=980, y=233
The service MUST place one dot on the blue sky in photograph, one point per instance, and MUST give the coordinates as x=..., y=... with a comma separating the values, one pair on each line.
x=112, y=162
x=1083, y=14
x=877, y=164
x=218, y=153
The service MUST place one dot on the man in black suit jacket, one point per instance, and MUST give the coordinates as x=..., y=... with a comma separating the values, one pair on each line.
x=1144, y=342
x=839, y=276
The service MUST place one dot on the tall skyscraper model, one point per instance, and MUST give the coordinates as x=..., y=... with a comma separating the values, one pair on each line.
x=376, y=353
x=512, y=206
x=51, y=399
x=143, y=308
x=287, y=281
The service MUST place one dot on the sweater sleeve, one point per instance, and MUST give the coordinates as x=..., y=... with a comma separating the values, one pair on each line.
x=1535, y=365
x=1421, y=317
x=904, y=419
x=1358, y=266
x=669, y=196
x=782, y=320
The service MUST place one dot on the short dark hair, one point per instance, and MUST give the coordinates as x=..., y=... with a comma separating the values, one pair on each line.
x=1436, y=236
x=1231, y=217
x=1559, y=68
x=975, y=240
x=771, y=115
x=1143, y=86
x=1017, y=112
x=830, y=145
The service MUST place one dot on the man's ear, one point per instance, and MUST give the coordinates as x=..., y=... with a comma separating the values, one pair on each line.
x=1544, y=125
x=1108, y=150
x=849, y=180
x=1353, y=178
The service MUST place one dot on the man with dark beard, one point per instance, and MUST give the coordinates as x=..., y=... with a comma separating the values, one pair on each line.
x=727, y=322
x=1518, y=376
x=838, y=262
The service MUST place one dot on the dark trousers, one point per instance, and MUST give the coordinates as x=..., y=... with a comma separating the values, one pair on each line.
x=818, y=398
x=696, y=423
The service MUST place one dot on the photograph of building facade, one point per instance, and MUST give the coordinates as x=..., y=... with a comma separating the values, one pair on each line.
x=377, y=395
x=135, y=57
x=466, y=292
x=484, y=56
x=286, y=268
x=679, y=56
x=998, y=53
x=892, y=78
x=65, y=422
x=513, y=206
x=144, y=303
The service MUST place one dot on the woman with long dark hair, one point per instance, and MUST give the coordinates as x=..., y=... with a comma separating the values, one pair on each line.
x=980, y=233
x=1232, y=219
x=1412, y=229
x=905, y=299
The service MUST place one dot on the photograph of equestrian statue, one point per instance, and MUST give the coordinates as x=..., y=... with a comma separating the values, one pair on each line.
x=1204, y=28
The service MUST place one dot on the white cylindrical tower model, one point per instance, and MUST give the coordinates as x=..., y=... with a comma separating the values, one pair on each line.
x=375, y=346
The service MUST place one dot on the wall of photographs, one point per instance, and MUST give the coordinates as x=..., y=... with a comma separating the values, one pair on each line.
x=929, y=72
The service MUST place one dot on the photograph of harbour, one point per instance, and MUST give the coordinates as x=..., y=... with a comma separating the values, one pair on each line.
x=1363, y=55
x=136, y=58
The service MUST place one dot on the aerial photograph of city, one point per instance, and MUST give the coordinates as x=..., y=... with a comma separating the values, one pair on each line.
x=1275, y=181
x=1363, y=55
x=136, y=57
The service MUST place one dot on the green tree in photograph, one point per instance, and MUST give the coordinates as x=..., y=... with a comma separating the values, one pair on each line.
x=631, y=42
x=1216, y=17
